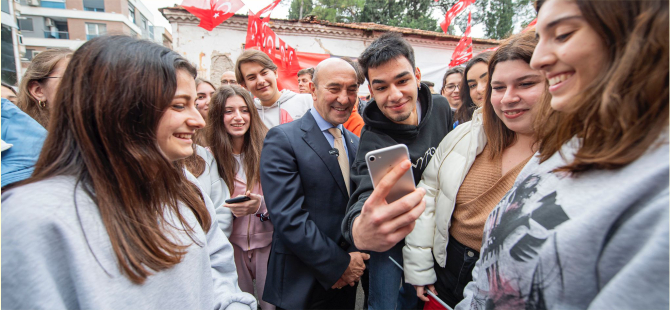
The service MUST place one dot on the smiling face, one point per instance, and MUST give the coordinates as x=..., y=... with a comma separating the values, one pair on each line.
x=261, y=82
x=236, y=117
x=394, y=85
x=205, y=92
x=570, y=53
x=180, y=121
x=303, y=83
x=452, y=91
x=515, y=89
x=335, y=95
x=477, y=80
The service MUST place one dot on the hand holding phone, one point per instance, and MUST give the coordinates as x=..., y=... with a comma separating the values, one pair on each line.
x=381, y=225
x=244, y=205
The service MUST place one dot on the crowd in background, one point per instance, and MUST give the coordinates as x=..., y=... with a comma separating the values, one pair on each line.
x=541, y=174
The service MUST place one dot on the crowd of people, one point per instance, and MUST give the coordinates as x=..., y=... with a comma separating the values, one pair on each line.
x=541, y=173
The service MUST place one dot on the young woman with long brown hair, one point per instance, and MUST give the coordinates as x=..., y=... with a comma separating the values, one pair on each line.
x=586, y=223
x=473, y=87
x=235, y=137
x=40, y=83
x=473, y=168
x=109, y=218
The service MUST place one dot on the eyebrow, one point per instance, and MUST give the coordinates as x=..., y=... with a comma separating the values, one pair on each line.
x=183, y=96
x=562, y=19
x=525, y=77
x=400, y=75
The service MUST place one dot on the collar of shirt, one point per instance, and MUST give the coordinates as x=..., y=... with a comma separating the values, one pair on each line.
x=324, y=126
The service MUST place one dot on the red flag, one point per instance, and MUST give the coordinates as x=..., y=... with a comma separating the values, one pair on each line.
x=455, y=10
x=530, y=25
x=463, y=51
x=268, y=8
x=212, y=12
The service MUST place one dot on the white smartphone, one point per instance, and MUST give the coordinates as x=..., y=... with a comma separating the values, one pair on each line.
x=381, y=161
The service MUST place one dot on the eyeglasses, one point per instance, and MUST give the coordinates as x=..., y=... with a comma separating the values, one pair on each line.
x=52, y=77
x=226, y=82
x=451, y=87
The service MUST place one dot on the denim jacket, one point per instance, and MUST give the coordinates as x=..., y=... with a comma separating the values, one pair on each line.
x=26, y=137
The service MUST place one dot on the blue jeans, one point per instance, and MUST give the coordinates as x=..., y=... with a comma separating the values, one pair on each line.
x=386, y=291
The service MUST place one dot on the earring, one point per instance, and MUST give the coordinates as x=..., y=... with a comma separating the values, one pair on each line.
x=42, y=104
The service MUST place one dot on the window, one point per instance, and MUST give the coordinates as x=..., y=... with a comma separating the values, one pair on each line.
x=29, y=54
x=144, y=23
x=5, y=6
x=53, y=4
x=26, y=24
x=95, y=30
x=94, y=5
x=8, y=62
x=131, y=12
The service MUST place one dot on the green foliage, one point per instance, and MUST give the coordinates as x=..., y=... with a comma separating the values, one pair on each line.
x=294, y=10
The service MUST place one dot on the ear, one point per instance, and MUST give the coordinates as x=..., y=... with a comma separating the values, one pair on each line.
x=36, y=90
x=417, y=74
x=312, y=89
x=370, y=90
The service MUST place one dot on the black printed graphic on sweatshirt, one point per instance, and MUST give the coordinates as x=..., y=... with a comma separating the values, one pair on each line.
x=506, y=219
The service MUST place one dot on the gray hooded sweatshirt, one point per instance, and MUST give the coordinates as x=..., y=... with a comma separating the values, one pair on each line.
x=289, y=107
x=57, y=255
x=598, y=240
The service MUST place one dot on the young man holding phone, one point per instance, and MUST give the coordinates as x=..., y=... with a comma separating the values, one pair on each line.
x=402, y=112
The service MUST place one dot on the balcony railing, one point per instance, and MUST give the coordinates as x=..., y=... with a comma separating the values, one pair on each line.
x=64, y=35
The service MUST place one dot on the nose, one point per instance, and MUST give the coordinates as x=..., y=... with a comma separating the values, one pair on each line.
x=481, y=87
x=237, y=115
x=542, y=57
x=394, y=93
x=510, y=96
x=343, y=98
x=195, y=119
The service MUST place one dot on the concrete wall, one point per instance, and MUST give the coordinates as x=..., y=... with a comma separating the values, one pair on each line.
x=38, y=27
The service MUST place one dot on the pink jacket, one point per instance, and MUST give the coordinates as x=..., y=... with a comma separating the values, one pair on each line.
x=248, y=231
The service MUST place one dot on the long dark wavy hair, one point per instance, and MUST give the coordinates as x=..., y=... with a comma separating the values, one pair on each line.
x=464, y=112
x=221, y=143
x=625, y=109
x=103, y=133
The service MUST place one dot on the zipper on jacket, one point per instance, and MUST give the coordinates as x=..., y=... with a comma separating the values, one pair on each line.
x=249, y=237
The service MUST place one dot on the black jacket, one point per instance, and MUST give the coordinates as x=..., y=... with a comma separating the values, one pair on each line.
x=380, y=132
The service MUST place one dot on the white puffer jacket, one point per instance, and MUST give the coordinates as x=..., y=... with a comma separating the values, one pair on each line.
x=441, y=180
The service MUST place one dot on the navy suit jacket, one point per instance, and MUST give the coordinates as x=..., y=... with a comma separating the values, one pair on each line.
x=306, y=197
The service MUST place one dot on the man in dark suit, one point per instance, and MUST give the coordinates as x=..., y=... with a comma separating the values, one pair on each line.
x=305, y=177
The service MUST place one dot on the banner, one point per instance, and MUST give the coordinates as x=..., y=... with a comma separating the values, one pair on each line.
x=262, y=38
x=463, y=51
x=212, y=12
x=531, y=25
x=453, y=12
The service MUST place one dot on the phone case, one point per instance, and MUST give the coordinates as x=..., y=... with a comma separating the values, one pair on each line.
x=237, y=199
x=381, y=161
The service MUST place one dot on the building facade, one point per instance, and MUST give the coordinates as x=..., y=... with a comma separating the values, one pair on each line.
x=45, y=24
x=214, y=52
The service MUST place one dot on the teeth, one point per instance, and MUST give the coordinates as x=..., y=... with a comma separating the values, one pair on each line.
x=513, y=112
x=559, y=78
x=183, y=135
x=237, y=125
x=340, y=109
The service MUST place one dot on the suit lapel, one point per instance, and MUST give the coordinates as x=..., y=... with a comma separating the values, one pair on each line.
x=317, y=141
